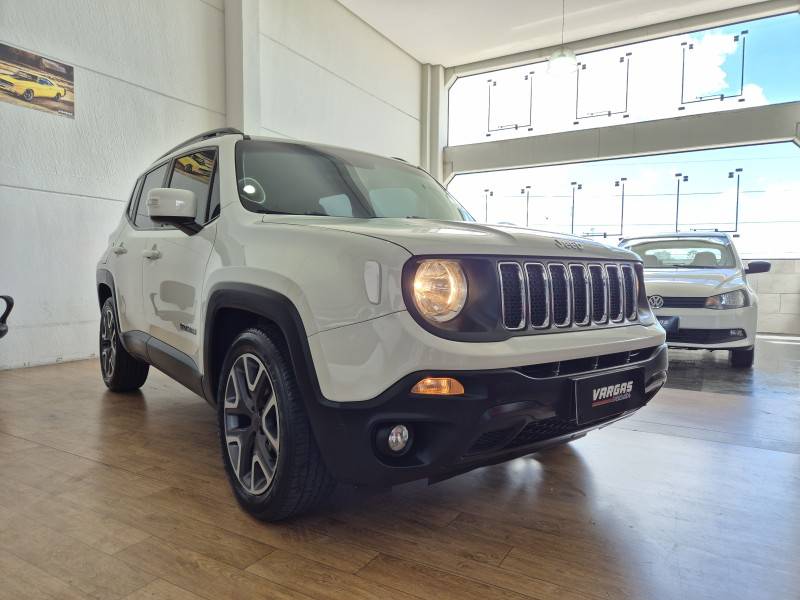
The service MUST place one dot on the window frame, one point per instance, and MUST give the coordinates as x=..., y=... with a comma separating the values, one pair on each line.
x=214, y=174
x=165, y=182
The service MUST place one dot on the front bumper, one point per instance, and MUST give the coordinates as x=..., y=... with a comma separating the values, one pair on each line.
x=706, y=328
x=504, y=414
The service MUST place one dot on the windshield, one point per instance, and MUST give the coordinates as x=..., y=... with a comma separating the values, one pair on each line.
x=288, y=178
x=687, y=253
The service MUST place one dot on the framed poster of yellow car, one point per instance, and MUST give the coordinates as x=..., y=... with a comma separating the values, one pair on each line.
x=33, y=81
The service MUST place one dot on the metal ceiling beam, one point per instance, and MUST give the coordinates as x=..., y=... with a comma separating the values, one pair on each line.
x=742, y=127
x=758, y=10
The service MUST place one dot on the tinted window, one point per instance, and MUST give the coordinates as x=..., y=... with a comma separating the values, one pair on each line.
x=275, y=177
x=193, y=172
x=154, y=179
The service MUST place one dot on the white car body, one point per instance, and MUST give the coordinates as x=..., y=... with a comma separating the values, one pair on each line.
x=340, y=281
x=682, y=292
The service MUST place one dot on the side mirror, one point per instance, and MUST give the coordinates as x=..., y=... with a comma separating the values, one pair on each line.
x=757, y=266
x=174, y=206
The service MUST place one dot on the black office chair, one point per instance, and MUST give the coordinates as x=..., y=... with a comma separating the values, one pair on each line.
x=9, y=305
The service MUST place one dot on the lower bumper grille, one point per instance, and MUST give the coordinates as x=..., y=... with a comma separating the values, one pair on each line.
x=704, y=336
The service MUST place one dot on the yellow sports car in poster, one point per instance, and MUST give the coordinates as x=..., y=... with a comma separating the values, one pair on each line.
x=30, y=86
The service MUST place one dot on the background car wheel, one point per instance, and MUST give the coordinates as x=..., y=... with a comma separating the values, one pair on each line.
x=268, y=449
x=58, y=97
x=28, y=95
x=121, y=371
x=742, y=359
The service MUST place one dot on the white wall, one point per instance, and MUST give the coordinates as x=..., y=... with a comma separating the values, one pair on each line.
x=327, y=76
x=779, y=297
x=147, y=75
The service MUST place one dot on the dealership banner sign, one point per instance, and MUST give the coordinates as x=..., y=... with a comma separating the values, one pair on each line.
x=33, y=81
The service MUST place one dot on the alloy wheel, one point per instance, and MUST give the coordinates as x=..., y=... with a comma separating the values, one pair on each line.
x=251, y=421
x=108, y=343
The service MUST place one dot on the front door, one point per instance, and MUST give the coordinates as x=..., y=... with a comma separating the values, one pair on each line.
x=174, y=262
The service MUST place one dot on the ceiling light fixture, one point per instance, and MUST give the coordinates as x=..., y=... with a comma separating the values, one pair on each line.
x=563, y=61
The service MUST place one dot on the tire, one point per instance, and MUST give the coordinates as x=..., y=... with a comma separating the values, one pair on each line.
x=58, y=98
x=28, y=95
x=260, y=409
x=121, y=372
x=742, y=359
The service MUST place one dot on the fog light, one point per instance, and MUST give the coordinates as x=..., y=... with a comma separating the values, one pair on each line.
x=398, y=438
x=438, y=386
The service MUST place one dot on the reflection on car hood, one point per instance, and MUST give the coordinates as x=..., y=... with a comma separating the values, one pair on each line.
x=692, y=282
x=432, y=237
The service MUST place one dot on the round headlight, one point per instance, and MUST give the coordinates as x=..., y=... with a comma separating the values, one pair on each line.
x=440, y=289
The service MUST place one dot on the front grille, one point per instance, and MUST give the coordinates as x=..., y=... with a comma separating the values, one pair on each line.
x=688, y=302
x=535, y=431
x=547, y=295
x=704, y=336
x=585, y=365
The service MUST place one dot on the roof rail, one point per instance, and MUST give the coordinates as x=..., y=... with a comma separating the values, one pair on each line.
x=203, y=136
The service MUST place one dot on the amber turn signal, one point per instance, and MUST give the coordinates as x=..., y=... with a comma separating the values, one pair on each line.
x=438, y=386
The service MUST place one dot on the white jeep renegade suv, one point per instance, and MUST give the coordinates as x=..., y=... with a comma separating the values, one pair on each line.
x=350, y=322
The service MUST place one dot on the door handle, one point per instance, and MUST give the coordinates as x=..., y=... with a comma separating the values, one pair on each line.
x=152, y=254
x=119, y=249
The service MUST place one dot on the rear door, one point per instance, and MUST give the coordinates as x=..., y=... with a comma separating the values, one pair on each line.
x=174, y=262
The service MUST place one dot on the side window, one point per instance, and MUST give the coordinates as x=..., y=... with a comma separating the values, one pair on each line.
x=213, y=205
x=193, y=172
x=132, y=201
x=154, y=179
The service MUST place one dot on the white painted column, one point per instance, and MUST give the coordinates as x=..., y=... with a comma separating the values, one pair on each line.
x=243, y=65
x=433, y=121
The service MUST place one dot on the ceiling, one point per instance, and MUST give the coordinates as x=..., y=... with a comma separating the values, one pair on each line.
x=454, y=32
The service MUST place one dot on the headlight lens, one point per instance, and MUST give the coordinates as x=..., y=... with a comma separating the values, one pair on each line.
x=735, y=299
x=440, y=289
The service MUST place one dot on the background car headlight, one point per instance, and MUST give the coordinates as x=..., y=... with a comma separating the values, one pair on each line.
x=735, y=299
x=440, y=289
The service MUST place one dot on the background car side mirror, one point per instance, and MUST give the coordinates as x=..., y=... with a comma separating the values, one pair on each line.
x=757, y=266
x=174, y=206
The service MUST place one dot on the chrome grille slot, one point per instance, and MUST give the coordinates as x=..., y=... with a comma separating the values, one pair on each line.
x=599, y=294
x=512, y=295
x=560, y=294
x=614, y=294
x=580, y=295
x=538, y=295
x=629, y=286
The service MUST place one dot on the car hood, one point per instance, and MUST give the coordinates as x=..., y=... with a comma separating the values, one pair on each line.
x=692, y=282
x=432, y=237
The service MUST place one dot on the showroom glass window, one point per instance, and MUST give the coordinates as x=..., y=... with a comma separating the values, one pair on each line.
x=194, y=172
x=724, y=68
x=290, y=178
x=684, y=253
x=154, y=179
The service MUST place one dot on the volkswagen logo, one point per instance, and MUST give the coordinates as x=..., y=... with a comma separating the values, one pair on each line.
x=655, y=301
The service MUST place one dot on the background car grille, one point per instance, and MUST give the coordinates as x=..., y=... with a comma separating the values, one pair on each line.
x=687, y=302
x=548, y=295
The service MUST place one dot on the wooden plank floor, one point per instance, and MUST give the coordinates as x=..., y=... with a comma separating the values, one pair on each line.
x=123, y=496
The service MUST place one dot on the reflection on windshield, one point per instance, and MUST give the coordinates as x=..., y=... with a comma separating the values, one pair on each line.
x=684, y=253
x=296, y=179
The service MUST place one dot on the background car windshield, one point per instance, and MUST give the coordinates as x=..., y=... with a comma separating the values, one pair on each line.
x=288, y=178
x=684, y=253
